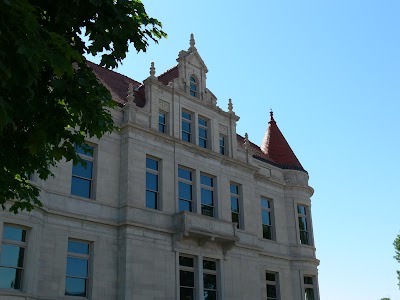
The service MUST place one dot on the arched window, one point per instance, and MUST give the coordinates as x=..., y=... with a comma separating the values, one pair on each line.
x=193, y=86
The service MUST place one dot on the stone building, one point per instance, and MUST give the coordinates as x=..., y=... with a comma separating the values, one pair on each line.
x=174, y=205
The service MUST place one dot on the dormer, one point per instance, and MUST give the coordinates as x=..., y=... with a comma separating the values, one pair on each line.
x=192, y=71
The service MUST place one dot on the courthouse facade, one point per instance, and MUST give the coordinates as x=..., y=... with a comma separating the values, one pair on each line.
x=174, y=205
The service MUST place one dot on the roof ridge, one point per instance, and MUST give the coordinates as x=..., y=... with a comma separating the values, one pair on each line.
x=169, y=70
x=104, y=68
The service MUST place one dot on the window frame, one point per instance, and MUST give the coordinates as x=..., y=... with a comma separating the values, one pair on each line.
x=156, y=173
x=223, y=150
x=270, y=211
x=190, y=123
x=304, y=216
x=208, y=188
x=190, y=183
x=160, y=124
x=206, y=128
x=238, y=197
x=188, y=269
x=89, y=267
x=308, y=286
x=274, y=283
x=92, y=160
x=193, y=83
x=211, y=272
x=19, y=244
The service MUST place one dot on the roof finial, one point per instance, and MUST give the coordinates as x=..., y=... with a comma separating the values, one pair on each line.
x=246, y=141
x=230, y=105
x=192, y=42
x=271, y=113
x=130, y=96
x=152, y=70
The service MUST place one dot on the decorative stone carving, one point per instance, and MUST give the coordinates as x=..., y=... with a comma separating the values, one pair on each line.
x=223, y=130
x=164, y=105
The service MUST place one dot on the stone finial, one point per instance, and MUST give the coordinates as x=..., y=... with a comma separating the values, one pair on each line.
x=246, y=141
x=271, y=114
x=130, y=96
x=152, y=70
x=230, y=105
x=192, y=41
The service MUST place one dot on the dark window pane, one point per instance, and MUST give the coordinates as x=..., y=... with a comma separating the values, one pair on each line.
x=186, y=294
x=209, y=265
x=301, y=209
x=271, y=291
x=235, y=204
x=308, y=280
x=151, y=199
x=10, y=278
x=309, y=294
x=207, y=197
x=186, y=127
x=202, y=122
x=186, y=115
x=161, y=118
x=304, y=238
x=84, y=149
x=186, y=278
x=152, y=164
x=222, y=150
x=78, y=247
x=185, y=174
x=234, y=189
x=151, y=181
x=192, y=79
x=303, y=223
x=81, y=171
x=161, y=128
x=80, y=187
x=75, y=287
x=186, y=137
x=266, y=217
x=235, y=218
x=207, y=210
x=206, y=180
x=14, y=234
x=12, y=256
x=77, y=267
x=185, y=205
x=202, y=143
x=185, y=191
x=203, y=133
x=265, y=203
x=210, y=281
x=186, y=261
x=270, y=276
x=267, y=232
x=210, y=295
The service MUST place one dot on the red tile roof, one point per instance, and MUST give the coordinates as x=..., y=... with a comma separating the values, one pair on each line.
x=277, y=149
x=169, y=75
x=118, y=84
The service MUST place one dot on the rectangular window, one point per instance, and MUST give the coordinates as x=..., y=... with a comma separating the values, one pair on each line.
x=303, y=224
x=152, y=183
x=82, y=173
x=187, y=278
x=185, y=189
x=309, y=293
x=222, y=144
x=77, y=277
x=271, y=279
x=12, y=257
x=207, y=195
x=203, y=133
x=162, y=122
x=210, y=280
x=266, y=216
x=186, y=126
x=235, y=204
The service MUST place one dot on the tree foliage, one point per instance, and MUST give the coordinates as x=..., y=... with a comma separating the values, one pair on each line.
x=50, y=99
x=397, y=256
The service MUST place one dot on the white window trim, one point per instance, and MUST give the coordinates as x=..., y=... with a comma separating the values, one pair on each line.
x=239, y=196
x=275, y=283
x=308, y=222
x=213, y=189
x=94, y=168
x=271, y=218
x=192, y=183
x=158, y=173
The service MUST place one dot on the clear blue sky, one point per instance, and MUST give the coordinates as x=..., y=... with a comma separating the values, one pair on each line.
x=330, y=70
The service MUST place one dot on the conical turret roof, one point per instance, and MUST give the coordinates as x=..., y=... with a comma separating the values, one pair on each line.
x=277, y=149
